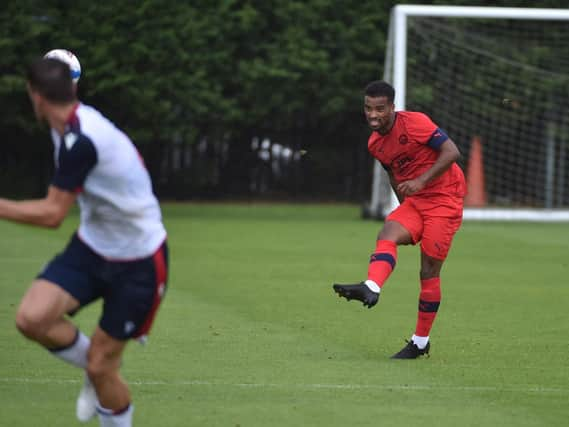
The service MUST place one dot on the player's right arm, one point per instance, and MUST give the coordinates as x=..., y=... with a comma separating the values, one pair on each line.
x=77, y=156
x=47, y=212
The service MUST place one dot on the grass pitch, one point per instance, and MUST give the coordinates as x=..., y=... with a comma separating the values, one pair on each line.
x=251, y=334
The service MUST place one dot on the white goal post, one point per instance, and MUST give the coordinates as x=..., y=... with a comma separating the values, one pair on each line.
x=498, y=74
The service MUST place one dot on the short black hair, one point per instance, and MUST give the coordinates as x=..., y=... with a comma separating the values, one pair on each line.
x=380, y=88
x=52, y=79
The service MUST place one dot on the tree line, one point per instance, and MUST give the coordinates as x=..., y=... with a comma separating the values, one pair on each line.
x=195, y=84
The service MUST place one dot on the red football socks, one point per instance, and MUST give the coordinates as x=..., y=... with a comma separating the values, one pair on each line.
x=382, y=261
x=429, y=301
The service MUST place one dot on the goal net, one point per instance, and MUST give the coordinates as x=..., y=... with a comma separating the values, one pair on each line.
x=497, y=80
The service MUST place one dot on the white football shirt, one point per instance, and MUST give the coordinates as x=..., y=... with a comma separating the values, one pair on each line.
x=120, y=216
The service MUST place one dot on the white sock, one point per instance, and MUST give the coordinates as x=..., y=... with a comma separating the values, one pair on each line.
x=108, y=419
x=76, y=353
x=420, y=342
x=372, y=286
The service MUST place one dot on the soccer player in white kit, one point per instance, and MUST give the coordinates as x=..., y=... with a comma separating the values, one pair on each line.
x=119, y=252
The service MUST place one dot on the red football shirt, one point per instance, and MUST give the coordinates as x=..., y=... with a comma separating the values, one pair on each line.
x=410, y=148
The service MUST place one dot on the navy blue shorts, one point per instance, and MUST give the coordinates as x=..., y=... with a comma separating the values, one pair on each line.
x=131, y=290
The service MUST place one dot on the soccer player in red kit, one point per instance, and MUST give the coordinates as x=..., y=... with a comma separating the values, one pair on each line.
x=420, y=160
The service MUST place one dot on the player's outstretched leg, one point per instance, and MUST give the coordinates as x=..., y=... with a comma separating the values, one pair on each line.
x=411, y=351
x=86, y=407
x=368, y=294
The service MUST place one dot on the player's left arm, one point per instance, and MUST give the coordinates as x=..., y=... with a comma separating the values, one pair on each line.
x=47, y=212
x=448, y=154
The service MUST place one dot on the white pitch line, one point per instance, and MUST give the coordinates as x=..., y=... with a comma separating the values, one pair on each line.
x=400, y=387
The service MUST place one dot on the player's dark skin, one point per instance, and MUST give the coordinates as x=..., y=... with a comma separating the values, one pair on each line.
x=380, y=115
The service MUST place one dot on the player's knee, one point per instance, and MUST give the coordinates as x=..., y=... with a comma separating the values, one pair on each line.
x=101, y=364
x=395, y=232
x=430, y=267
x=29, y=324
x=97, y=368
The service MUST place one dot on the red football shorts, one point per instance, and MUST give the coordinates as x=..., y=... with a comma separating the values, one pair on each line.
x=431, y=220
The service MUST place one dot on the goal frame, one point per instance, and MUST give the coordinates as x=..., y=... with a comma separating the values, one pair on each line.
x=395, y=72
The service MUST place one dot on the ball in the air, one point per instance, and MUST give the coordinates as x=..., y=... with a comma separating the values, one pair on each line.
x=69, y=58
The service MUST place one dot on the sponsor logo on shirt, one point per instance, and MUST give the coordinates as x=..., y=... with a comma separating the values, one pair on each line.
x=401, y=162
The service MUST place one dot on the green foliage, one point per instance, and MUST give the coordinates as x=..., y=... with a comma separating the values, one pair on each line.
x=176, y=72
x=169, y=69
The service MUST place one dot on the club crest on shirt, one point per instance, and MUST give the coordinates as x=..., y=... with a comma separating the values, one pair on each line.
x=70, y=139
x=403, y=139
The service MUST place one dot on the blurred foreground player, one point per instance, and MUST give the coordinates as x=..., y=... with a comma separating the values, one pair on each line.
x=420, y=160
x=119, y=253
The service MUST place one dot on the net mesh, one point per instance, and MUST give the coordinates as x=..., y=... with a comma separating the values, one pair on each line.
x=505, y=82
